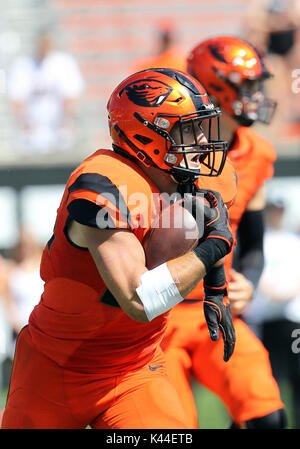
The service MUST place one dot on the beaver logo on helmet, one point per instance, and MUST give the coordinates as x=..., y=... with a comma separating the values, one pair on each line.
x=147, y=92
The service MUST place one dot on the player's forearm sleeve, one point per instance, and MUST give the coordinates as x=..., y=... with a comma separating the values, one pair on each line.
x=251, y=255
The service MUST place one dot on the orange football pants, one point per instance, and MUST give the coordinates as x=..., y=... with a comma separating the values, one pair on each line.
x=44, y=395
x=245, y=383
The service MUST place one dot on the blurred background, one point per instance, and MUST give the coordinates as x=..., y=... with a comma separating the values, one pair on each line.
x=59, y=62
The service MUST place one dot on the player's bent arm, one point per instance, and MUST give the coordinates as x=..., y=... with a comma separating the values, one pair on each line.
x=120, y=260
x=187, y=271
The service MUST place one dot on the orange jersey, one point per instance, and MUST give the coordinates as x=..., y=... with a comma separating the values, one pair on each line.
x=225, y=184
x=253, y=158
x=77, y=323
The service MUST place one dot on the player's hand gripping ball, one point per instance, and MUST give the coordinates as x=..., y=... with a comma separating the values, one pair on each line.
x=174, y=232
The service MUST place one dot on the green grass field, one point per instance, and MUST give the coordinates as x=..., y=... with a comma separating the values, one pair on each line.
x=211, y=411
x=213, y=415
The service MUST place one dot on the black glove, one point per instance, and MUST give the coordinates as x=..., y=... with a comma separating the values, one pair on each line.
x=211, y=215
x=216, y=217
x=217, y=309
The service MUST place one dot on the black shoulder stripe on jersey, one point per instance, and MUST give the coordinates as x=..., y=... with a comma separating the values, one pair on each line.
x=108, y=299
x=102, y=185
x=86, y=213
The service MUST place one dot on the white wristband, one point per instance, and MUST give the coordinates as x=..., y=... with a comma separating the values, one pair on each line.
x=158, y=291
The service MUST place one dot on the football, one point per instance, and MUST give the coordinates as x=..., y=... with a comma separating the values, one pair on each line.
x=173, y=233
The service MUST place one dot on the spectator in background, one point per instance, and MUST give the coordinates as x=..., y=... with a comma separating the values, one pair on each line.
x=24, y=285
x=44, y=91
x=167, y=53
x=20, y=290
x=273, y=26
x=274, y=313
x=4, y=327
x=2, y=276
x=5, y=337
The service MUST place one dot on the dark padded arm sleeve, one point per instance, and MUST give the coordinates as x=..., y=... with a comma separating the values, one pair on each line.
x=249, y=258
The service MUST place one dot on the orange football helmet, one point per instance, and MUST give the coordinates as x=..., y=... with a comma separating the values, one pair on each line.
x=145, y=107
x=233, y=72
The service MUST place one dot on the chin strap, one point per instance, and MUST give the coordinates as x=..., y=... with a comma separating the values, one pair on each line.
x=186, y=187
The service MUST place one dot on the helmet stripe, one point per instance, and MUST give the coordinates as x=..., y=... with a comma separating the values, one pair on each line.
x=196, y=96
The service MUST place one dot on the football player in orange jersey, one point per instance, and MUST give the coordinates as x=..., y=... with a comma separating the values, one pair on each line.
x=233, y=72
x=90, y=354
